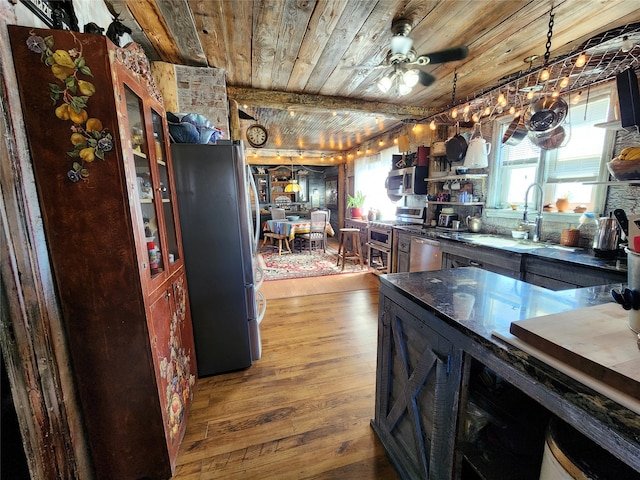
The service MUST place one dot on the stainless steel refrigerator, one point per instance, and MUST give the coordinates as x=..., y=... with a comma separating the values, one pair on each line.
x=219, y=237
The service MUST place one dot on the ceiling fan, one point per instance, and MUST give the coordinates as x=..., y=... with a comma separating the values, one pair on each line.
x=402, y=58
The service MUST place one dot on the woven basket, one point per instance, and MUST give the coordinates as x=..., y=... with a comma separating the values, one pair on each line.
x=570, y=238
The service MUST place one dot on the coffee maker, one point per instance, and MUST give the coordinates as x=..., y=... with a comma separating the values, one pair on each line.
x=607, y=238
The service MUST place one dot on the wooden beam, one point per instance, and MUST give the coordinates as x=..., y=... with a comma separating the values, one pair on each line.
x=234, y=121
x=289, y=101
x=153, y=24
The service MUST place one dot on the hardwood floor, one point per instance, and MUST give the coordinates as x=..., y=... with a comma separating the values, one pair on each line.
x=303, y=410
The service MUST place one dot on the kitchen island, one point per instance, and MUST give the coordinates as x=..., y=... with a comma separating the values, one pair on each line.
x=453, y=398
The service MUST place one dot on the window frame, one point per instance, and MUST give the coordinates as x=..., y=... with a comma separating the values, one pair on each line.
x=494, y=190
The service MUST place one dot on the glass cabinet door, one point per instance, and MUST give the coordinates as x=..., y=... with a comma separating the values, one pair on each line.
x=144, y=176
x=164, y=188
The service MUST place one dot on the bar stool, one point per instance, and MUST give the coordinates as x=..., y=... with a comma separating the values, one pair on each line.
x=354, y=235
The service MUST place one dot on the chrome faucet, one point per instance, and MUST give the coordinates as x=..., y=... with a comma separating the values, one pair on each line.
x=537, y=224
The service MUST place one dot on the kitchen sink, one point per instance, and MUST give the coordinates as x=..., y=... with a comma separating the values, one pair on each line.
x=505, y=242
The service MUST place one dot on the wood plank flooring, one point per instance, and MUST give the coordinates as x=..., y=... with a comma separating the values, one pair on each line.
x=303, y=410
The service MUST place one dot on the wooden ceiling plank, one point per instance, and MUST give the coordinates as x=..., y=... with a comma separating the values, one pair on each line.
x=293, y=26
x=288, y=100
x=351, y=20
x=323, y=21
x=149, y=17
x=179, y=19
x=266, y=16
x=208, y=18
x=238, y=29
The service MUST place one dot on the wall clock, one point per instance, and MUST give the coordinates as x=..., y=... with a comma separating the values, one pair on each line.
x=257, y=135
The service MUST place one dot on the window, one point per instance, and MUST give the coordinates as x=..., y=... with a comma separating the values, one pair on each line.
x=370, y=175
x=563, y=171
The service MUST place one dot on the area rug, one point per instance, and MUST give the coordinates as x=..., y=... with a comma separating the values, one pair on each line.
x=300, y=265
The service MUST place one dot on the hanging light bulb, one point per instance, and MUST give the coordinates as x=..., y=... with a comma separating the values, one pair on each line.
x=512, y=110
x=564, y=82
x=432, y=125
x=627, y=45
x=544, y=75
x=529, y=94
x=581, y=60
x=466, y=109
x=454, y=113
x=576, y=98
x=502, y=100
x=475, y=117
x=555, y=94
x=487, y=111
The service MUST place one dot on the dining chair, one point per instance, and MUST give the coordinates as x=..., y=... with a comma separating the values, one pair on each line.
x=278, y=214
x=317, y=231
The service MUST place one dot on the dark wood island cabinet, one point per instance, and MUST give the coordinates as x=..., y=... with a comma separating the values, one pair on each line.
x=455, y=401
x=98, y=139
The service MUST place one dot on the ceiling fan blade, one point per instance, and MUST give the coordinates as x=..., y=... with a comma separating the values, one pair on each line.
x=425, y=78
x=443, y=56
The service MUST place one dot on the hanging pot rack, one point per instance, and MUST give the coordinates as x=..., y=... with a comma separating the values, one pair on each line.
x=605, y=56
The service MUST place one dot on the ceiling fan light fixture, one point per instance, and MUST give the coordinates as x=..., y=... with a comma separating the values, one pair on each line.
x=411, y=77
x=401, y=45
x=403, y=88
x=384, y=84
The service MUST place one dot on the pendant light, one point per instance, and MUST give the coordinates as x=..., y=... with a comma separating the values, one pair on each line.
x=293, y=186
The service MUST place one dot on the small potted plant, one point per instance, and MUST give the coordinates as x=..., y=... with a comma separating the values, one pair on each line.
x=356, y=204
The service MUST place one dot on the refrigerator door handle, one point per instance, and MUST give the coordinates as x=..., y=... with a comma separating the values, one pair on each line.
x=256, y=233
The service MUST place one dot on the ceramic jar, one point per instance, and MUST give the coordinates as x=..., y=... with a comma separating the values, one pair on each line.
x=562, y=204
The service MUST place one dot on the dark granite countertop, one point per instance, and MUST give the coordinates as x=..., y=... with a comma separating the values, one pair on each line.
x=545, y=250
x=500, y=300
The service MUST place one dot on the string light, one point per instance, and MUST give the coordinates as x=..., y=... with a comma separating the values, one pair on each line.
x=544, y=75
x=581, y=60
x=564, y=82
x=576, y=98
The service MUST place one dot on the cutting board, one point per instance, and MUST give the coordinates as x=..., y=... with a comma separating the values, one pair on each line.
x=594, y=340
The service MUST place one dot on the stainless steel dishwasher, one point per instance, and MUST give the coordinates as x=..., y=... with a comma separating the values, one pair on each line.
x=425, y=255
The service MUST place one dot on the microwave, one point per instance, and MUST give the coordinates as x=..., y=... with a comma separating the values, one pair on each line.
x=407, y=181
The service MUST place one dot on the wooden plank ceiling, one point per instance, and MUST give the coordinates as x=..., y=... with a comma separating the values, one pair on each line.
x=307, y=69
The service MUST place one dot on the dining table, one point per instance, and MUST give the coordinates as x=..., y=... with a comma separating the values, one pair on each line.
x=290, y=228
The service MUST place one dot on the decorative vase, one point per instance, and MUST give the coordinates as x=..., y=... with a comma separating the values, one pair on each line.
x=562, y=204
x=357, y=212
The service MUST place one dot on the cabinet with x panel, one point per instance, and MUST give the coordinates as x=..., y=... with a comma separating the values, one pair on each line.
x=418, y=379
